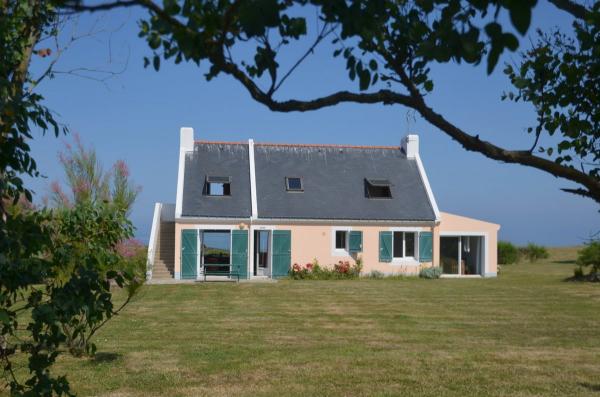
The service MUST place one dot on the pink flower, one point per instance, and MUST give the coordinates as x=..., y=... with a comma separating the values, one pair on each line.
x=122, y=168
x=129, y=248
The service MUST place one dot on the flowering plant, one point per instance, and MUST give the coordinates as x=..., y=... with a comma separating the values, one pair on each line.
x=313, y=271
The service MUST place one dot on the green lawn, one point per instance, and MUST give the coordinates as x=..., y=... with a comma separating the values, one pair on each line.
x=526, y=333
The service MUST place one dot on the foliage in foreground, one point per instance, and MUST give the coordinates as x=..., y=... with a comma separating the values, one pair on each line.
x=589, y=257
x=314, y=271
x=63, y=278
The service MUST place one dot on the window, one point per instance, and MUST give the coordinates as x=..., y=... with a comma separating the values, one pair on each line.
x=293, y=184
x=404, y=244
x=378, y=188
x=218, y=186
x=216, y=249
x=341, y=238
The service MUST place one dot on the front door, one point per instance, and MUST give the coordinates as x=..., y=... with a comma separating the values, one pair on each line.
x=261, y=252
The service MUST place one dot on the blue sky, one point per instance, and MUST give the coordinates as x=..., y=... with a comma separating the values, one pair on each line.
x=136, y=116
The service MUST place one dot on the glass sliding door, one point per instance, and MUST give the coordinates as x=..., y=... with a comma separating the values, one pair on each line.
x=216, y=250
x=449, y=250
x=471, y=255
x=462, y=255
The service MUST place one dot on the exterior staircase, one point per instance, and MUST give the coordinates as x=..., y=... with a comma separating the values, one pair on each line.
x=164, y=261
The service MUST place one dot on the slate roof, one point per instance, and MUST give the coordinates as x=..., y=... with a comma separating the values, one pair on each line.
x=333, y=181
x=214, y=159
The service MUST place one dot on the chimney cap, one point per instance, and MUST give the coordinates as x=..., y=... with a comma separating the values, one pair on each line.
x=186, y=139
x=410, y=145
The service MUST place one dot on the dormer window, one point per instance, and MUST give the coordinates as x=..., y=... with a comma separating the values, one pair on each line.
x=217, y=186
x=293, y=184
x=378, y=188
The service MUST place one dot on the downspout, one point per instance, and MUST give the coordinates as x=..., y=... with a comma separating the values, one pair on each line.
x=254, y=206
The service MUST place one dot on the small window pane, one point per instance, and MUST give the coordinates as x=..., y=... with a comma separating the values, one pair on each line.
x=398, y=237
x=218, y=189
x=340, y=239
x=294, y=183
x=409, y=242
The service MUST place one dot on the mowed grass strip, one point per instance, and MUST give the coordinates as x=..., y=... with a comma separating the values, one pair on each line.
x=526, y=333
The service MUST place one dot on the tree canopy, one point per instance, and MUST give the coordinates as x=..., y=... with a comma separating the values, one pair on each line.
x=389, y=48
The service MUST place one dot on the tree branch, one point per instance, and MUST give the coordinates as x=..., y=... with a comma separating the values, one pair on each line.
x=416, y=102
x=75, y=6
x=573, y=8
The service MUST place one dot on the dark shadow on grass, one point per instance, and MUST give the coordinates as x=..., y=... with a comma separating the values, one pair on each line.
x=590, y=386
x=565, y=262
x=582, y=279
x=105, y=357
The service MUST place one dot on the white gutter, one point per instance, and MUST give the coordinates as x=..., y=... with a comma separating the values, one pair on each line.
x=425, y=180
x=252, y=178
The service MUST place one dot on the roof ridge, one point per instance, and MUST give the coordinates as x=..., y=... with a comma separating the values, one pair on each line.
x=308, y=145
x=327, y=145
x=201, y=141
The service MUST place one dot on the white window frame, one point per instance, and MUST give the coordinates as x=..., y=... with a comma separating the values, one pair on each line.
x=406, y=260
x=338, y=251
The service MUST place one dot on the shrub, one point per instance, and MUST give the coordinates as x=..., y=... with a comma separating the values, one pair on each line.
x=431, y=272
x=589, y=257
x=534, y=252
x=313, y=271
x=508, y=253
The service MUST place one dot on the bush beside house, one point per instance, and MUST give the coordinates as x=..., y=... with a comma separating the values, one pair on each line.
x=508, y=253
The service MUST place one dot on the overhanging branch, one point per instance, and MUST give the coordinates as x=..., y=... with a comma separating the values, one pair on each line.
x=573, y=8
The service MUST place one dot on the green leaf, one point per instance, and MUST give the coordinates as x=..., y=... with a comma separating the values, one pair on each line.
x=428, y=85
x=156, y=62
x=520, y=16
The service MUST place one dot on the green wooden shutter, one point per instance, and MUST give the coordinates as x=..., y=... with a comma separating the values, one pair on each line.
x=355, y=241
x=189, y=253
x=425, y=246
x=282, y=252
x=239, y=253
x=385, y=246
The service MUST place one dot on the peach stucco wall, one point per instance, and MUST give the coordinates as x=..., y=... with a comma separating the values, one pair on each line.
x=451, y=223
x=315, y=241
x=311, y=242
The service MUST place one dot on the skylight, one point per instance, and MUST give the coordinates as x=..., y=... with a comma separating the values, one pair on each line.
x=293, y=184
x=378, y=188
x=217, y=186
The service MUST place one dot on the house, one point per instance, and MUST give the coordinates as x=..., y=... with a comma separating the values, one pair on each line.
x=254, y=209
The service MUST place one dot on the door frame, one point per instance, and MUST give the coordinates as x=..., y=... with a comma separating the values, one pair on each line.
x=460, y=234
x=255, y=253
x=252, y=243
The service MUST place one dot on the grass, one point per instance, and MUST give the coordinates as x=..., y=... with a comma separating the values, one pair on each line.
x=526, y=333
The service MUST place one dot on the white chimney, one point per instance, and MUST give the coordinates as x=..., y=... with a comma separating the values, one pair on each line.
x=186, y=140
x=410, y=145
